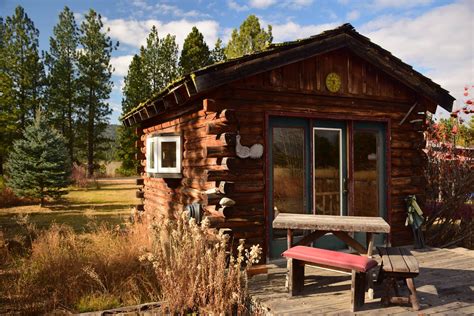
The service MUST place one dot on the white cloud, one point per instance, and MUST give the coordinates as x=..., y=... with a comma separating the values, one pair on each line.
x=291, y=31
x=353, y=15
x=121, y=63
x=440, y=43
x=236, y=6
x=398, y=4
x=261, y=4
x=135, y=32
x=164, y=9
x=297, y=4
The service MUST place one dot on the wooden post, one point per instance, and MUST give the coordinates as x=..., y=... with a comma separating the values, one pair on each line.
x=370, y=280
x=289, y=243
x=413, y=297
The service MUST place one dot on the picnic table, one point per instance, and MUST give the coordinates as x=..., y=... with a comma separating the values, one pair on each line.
x=340, y=226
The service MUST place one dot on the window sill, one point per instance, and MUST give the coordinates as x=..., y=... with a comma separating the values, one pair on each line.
x=165, y=175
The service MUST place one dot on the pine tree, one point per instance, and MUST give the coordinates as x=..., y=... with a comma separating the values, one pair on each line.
x=195, y=53
x=218, y=53
x=94, y=85
x=160, y=60
x=38, y=164
x=62, y=80
x=135, y=90
x=248, y=39
x=169, y=59
x=21, y=76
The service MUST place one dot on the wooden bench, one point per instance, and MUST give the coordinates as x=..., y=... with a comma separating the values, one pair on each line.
x=398, y=264
x=358, y=266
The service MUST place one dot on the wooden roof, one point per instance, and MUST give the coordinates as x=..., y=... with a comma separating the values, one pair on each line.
x=277, y=55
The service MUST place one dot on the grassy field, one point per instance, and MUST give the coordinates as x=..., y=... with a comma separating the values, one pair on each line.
x=109, y=201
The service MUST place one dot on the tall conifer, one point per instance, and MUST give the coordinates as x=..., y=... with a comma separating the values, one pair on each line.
x=135, y=90
x=95, y=85
x=21, y=77
x=195, y=53
x=62, y=87
x=249, y=38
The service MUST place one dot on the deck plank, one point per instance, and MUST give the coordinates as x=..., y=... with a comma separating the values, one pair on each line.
x=444, y=285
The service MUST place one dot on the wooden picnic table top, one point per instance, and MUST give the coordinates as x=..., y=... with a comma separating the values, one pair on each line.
x=331, y=223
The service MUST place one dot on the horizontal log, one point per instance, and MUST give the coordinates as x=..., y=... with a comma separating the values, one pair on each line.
x=241, y=175
x=240, y=187
x=244, y=198
x=220, y=151
x=235, y=163
x=210, y=105
x=228, y=115
x=220, y=127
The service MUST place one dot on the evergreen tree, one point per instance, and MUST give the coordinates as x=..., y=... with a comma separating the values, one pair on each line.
x=21, y=76
x=169, y=59
x=160, y=59
x=94, y=85
x=38, y=164
x=135, y=90
x=62, y=80
x=218, y=53
x=248, y=39
x=195, y=53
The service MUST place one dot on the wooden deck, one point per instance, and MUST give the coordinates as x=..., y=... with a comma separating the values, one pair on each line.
x=445, y=286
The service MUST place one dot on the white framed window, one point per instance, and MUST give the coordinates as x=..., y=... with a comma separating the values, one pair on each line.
x=151, y=154
x=164, y=155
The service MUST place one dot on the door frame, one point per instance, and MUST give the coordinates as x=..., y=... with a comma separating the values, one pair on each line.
x=350, y=119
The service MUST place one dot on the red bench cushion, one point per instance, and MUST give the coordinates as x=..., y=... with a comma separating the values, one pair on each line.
x=330, y=258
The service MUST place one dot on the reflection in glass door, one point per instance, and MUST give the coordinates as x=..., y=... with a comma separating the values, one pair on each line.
x=369, y=169
x=327, y=171
x=289, y=174
x=288, y=151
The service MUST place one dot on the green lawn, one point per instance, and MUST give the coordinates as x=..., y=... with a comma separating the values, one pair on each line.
x=110, y=202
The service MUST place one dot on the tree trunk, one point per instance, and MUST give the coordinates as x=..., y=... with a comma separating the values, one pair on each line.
x=90, y=137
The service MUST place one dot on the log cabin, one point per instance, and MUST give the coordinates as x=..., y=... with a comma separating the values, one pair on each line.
x=332, y=124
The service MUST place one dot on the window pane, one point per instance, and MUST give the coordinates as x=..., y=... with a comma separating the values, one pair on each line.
x=168, y=154
x=366, y=195
x=327, y=173
x=288, y=170
x=151, y=158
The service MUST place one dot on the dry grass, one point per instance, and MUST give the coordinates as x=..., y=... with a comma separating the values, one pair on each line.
x=68, y=269
x=183, y=264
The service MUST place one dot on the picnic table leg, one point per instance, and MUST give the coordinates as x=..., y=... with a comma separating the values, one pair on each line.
x=370, y=279
x=289, y=244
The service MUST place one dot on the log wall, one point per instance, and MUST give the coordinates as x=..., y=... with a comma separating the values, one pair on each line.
x=210, y=124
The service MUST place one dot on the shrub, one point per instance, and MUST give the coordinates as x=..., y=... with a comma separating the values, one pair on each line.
x=79, y=175
x=194, y=269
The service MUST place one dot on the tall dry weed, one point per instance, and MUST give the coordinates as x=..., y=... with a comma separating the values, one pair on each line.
x=65, y=267
x=195, y=270
x=185, y=265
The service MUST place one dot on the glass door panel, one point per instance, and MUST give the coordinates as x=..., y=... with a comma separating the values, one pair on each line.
x=289, y=170
x=366, y=179
x=370, y=185
x=288, y=151
x=327, y=171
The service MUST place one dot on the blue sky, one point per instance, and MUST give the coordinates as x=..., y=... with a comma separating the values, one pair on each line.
x=436, y=37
